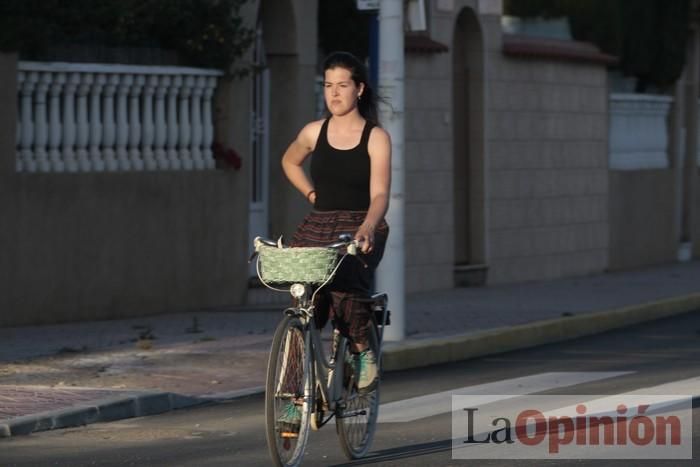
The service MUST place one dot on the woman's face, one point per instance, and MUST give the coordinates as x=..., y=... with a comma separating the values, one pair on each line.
x=340, y=91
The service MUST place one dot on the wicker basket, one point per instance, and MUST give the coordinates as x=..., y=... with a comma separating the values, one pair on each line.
x=308, y=265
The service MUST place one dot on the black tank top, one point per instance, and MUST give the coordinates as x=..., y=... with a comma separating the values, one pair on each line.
x=341, y=176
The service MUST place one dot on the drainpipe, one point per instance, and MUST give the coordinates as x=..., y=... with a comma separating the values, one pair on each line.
x=691, y=143
x=678, y=130
x=391, y=271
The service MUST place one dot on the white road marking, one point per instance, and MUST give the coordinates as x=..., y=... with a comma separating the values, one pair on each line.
x=415, y=408
x=607, y=405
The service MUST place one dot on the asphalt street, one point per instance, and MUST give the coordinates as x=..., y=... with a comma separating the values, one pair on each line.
x=232, y=433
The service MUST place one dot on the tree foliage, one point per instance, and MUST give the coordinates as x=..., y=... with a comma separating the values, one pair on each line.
x=648, y=36
x=206, y=33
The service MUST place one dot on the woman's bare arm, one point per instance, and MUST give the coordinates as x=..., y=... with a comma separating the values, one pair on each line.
x=379, y=185
x=294, y=158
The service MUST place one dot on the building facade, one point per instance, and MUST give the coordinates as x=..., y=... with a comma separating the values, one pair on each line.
x=509, y=173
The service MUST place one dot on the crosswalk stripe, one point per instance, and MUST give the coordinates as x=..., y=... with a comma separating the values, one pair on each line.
x=415, y=408
x=603, y=405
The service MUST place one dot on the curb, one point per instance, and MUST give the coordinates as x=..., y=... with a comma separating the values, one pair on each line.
x=425, y=352
x=232, y=395
x=118, y=408
x=105, y=410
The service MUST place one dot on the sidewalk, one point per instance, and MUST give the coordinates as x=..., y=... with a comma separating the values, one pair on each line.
x=72, y=374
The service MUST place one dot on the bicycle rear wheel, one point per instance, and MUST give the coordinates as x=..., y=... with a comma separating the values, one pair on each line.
x=288, y=393
x=356, y=424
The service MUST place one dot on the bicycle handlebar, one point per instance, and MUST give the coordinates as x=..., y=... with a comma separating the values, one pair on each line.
x=345, y=240
x=266, y=241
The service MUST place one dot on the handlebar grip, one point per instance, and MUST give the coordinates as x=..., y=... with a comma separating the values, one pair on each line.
x=264, y=241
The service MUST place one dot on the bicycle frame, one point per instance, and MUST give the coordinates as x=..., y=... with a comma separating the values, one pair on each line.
x=329, y=392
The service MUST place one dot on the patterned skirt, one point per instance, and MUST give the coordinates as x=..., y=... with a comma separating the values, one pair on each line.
x=353, y=279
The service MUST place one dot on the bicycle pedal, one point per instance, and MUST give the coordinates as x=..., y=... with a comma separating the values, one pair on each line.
x=356, y=413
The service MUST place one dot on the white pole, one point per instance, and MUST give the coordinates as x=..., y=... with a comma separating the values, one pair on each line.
x=391, y=272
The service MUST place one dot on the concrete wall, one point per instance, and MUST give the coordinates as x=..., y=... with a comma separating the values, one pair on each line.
x=107, y=245
x=428, y=161
x=642, y=228
x=547, y=127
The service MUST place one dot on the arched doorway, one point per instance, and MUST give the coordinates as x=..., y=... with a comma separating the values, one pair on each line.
x=468, y=90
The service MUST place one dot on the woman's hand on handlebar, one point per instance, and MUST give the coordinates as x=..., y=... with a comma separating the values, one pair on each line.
x=365, y=235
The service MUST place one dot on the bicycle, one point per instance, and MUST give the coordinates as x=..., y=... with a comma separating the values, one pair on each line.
x=302, y=377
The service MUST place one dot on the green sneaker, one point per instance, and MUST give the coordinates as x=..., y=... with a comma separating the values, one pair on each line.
x=367, y=369
x=290, y=420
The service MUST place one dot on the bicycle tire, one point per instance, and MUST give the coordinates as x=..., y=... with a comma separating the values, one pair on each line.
x=289, y=381
x=356, y=431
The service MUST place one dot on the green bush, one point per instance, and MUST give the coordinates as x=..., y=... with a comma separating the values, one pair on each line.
x=204, y=33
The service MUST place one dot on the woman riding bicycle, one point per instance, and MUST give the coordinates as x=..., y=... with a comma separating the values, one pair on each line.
x=349, y=191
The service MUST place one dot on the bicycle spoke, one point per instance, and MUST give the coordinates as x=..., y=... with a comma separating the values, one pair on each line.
x=357, y=421
x=287, y=394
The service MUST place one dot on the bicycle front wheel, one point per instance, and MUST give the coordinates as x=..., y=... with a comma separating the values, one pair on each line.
x=357, y=422
x=288, y=393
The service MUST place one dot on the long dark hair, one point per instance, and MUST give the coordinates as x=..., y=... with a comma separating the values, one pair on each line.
x=367, y=105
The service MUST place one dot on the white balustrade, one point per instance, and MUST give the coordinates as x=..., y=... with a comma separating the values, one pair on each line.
x=55, y=123
x=96, y=156
x=148, y=125
x=208, y=124
x=94, y=117
x=638, y=131
x=135, y=123
x=41, y=125
x=109, y=137
x=69, y=126
x=83, y=125
x=27, y=81
x=161, y=127
x=197, y=130
x=185, y=124
x=173, y=129
x=125, y=84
